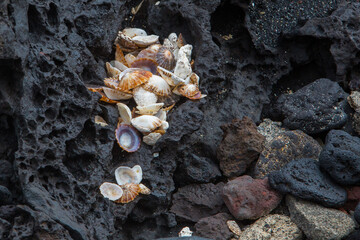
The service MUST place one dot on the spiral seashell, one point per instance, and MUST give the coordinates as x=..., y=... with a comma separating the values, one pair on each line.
x=144, y=41
x=149, y=52
x=143, y=97
x=151, y=138
x=129, y=58
x=157, y=85
x=111, y=191
x=146, y=123
x=133, y=32
x=125, y=113
x=149, y=109
x=114, y=94
x=127, y=137
x=125, y=175
x=165, y=58
x=112, y=71
x=130, y=192
x=145, y=64
x=132, y=78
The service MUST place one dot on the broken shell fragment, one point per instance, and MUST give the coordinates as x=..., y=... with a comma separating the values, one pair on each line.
x=143, y=97
x=114, y=94
x=118, y=65
x=127, y=137
x=149, y=109
x=112, y=71
x=130, y=192
x=161, y=114
x=146, y=123
x=146, y=64
x=164, y=125
x=111, y=191
x=183, y=67
x=125, y=113
x=157, y=85
x=185, y=51
x=99, y=120
x=144, y=41
x=125, y=42
x=180, y=42
x=133, y=77
x=151, y=138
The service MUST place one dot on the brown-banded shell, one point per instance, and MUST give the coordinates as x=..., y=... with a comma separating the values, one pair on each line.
x=144, y=189
x=145, y=64
x=105, y=99
x=130, y=192
x=164, y=125
x=114, y=94
x=125, y=113
x=151, y=138
x=111, y=191
x=188, y=90
x=180, y=41
x=149, y=109
x=146, y=123
x=143, y=97
x=149, y=52
x=125, y=175
x=127, y=137
x=157, y=85
x=133, y=77
x=165, y=58
x=144, y=41
x=99, y=120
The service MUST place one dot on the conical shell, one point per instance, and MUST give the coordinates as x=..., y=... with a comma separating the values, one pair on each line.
x=165, y=58
x=133, y=32
x=112, y=71
x=144, y=189
x=130, y=192
x=143, y=97
x=99, y=120
x=125, y=175
x=125, y=113
x=146, y=123
x=111, y=191
x=144, y=41
x=149, y=52
x=145, y=64
x=151, y=138
x=129, y=58
x=157, y=85
x=127, y=137
x=133, y=78
x=114, y=94
x=183, y=67
x=149, y=109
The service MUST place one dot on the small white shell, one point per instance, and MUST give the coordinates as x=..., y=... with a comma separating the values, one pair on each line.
x=157, y=85
x=133, y=32
x=151, y=138
x=112, y=71
x=144, y=41
x=183, y=67
x=111, y=191
x=138, y=171
x=99, y=120
x=125, y=113
x=149, y=109
x=185, y=51
x=173, y=38
x=124, y=175
x=146, y=123
x=185, y=232
x=114, y=94
x=164, y=125
x=143, y=97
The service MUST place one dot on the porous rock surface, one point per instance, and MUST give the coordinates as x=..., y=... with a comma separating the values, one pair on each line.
x=58, y=156
x=214, y=227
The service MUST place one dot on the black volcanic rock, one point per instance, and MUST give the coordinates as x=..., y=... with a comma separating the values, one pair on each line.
x=6, y=172
x=315, y=108
x=302, y=178
x=341, y=157
x=357, y=213
x=5, y=195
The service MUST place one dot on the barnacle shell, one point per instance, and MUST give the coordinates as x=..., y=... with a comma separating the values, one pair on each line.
x=127, y=137
x=146, y=64
x=133, y=77
x=129, y=58
x=111, y=191
x=183, y=67
x=133, y=32
x=144, y=41
x=169, y=77
x=130, y=192
x=126, y=175
x=114, y=94
x=143, y=97
x=125, y=113
x=146, y=123
x=151, y=138
x=149, y=109
x=149, y=52
x=112, y=71
x=185, y=51
x=99, y=120
x=165, y=58
x=157, y=85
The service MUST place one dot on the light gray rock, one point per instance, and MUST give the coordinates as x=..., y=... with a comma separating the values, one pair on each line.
x=270, y=129
x=272, y=227
x=318, y=222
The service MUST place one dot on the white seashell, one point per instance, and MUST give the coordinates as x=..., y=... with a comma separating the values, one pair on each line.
x=185, y=232
x=138, y=171
x=143, y=97
x=185, y=51
x=146, y=123
x=183, y=68
x=149, y=109
x=144, y=41
x=111, y=191
x=125, y=175
x=112, y=71
x=133, y=32
x=157, y=85
x=99, y=120
x=129, y=58
x=114, y=94
x=164, y=125
x=173, y=38
x=161, y=114
x=151, y=138
x=170, y=77
x=125, y=113
x=118, y=65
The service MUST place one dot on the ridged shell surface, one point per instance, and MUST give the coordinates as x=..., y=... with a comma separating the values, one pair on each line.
x=133, y=78
x=157, y=85
x=125, y=175
x=165, y=58
x=130, y=192
x=145, y=64
x=149, y=52
x=151, y=138
x=149, y=109
x=111, y=191
x=144, y=41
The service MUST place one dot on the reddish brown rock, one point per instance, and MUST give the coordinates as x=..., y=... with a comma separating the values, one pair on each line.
x=248, y=198
x=241, y=145
x=353, y=198
x=214, y=227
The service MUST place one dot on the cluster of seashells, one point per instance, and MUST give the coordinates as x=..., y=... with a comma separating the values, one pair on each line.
x=128, y=185
x=153, y=74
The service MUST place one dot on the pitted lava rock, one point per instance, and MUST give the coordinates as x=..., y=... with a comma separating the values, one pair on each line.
x=353, y=198
x=314, y=111
x=282, y=149
x=302, y=178
x=214, y=227
x=248, y=198
x=241, y=145
x=340, y=157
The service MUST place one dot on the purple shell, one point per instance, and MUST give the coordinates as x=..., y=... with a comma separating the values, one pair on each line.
x=127, y=137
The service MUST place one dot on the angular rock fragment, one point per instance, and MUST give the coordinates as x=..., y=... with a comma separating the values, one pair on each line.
x=214, y=227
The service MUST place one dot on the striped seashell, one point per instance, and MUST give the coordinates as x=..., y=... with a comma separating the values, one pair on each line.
x=130, y=58
x=145, y=64
x=149, y=109
x=143, y=97
x=164, y=125
x=187, y=90
x=144, y=41
x=146, y=123
x=165, y=58
x=144, y=189
x=130, y=192
x=125, y=113
x=131, y=78
x=149, y=52
x=112, y=82
x=127, y=137
x=157, y=85
x=104, y=98
x=151, y=138
x=114, y=94
x=94, y=88
x=111, y=191
x=125, y=175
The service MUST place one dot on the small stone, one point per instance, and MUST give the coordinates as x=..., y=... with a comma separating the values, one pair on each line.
x=240, y=146
x=248, y=198
x=340, y=157
x=272, y=227
x=270, y=129
x=234, y=227
x=303, y=179
x=354, y=100
x=214, y=227
x=353, y=198
x=185, y=232
x=318, y=222
x=283, y=148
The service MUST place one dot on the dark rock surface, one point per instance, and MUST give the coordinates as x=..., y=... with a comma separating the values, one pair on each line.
x=340, y=157
x=357, y=213
x=214, y=227
x=314, y=111
x=282, y=149
x=240, y=146
x=302, y=178
x=248, y=198
x=353, y=198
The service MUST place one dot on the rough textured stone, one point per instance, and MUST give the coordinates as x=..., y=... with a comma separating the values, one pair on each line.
x=214, y=227
x=241, y=145
x=272, y=227
x=340, y=157
x=5, y=195
x=353, y=198
x=248, y=198
x=318, y=222
x=353, y=236
x=282, y=149
x=194, y=202
x=314, y=111
x=357, y=213
x=270, y=129
x=354, y=101
x=6, y=172
x=303, y=179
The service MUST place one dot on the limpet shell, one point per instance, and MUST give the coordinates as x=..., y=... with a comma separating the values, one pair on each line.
x=145, y=64
x=133, y=32
x=146, y=123
x=130, y=192
x=111, y=191
x=149, y=109
x=151, y=138
x=114, y=94
x=133, y=77
x=144, y=41
x=125, y=175
x=157, y=85
x=165, y=58
x=138, y=171
x=143, y=97
x=127, y=137
x=125, y=113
